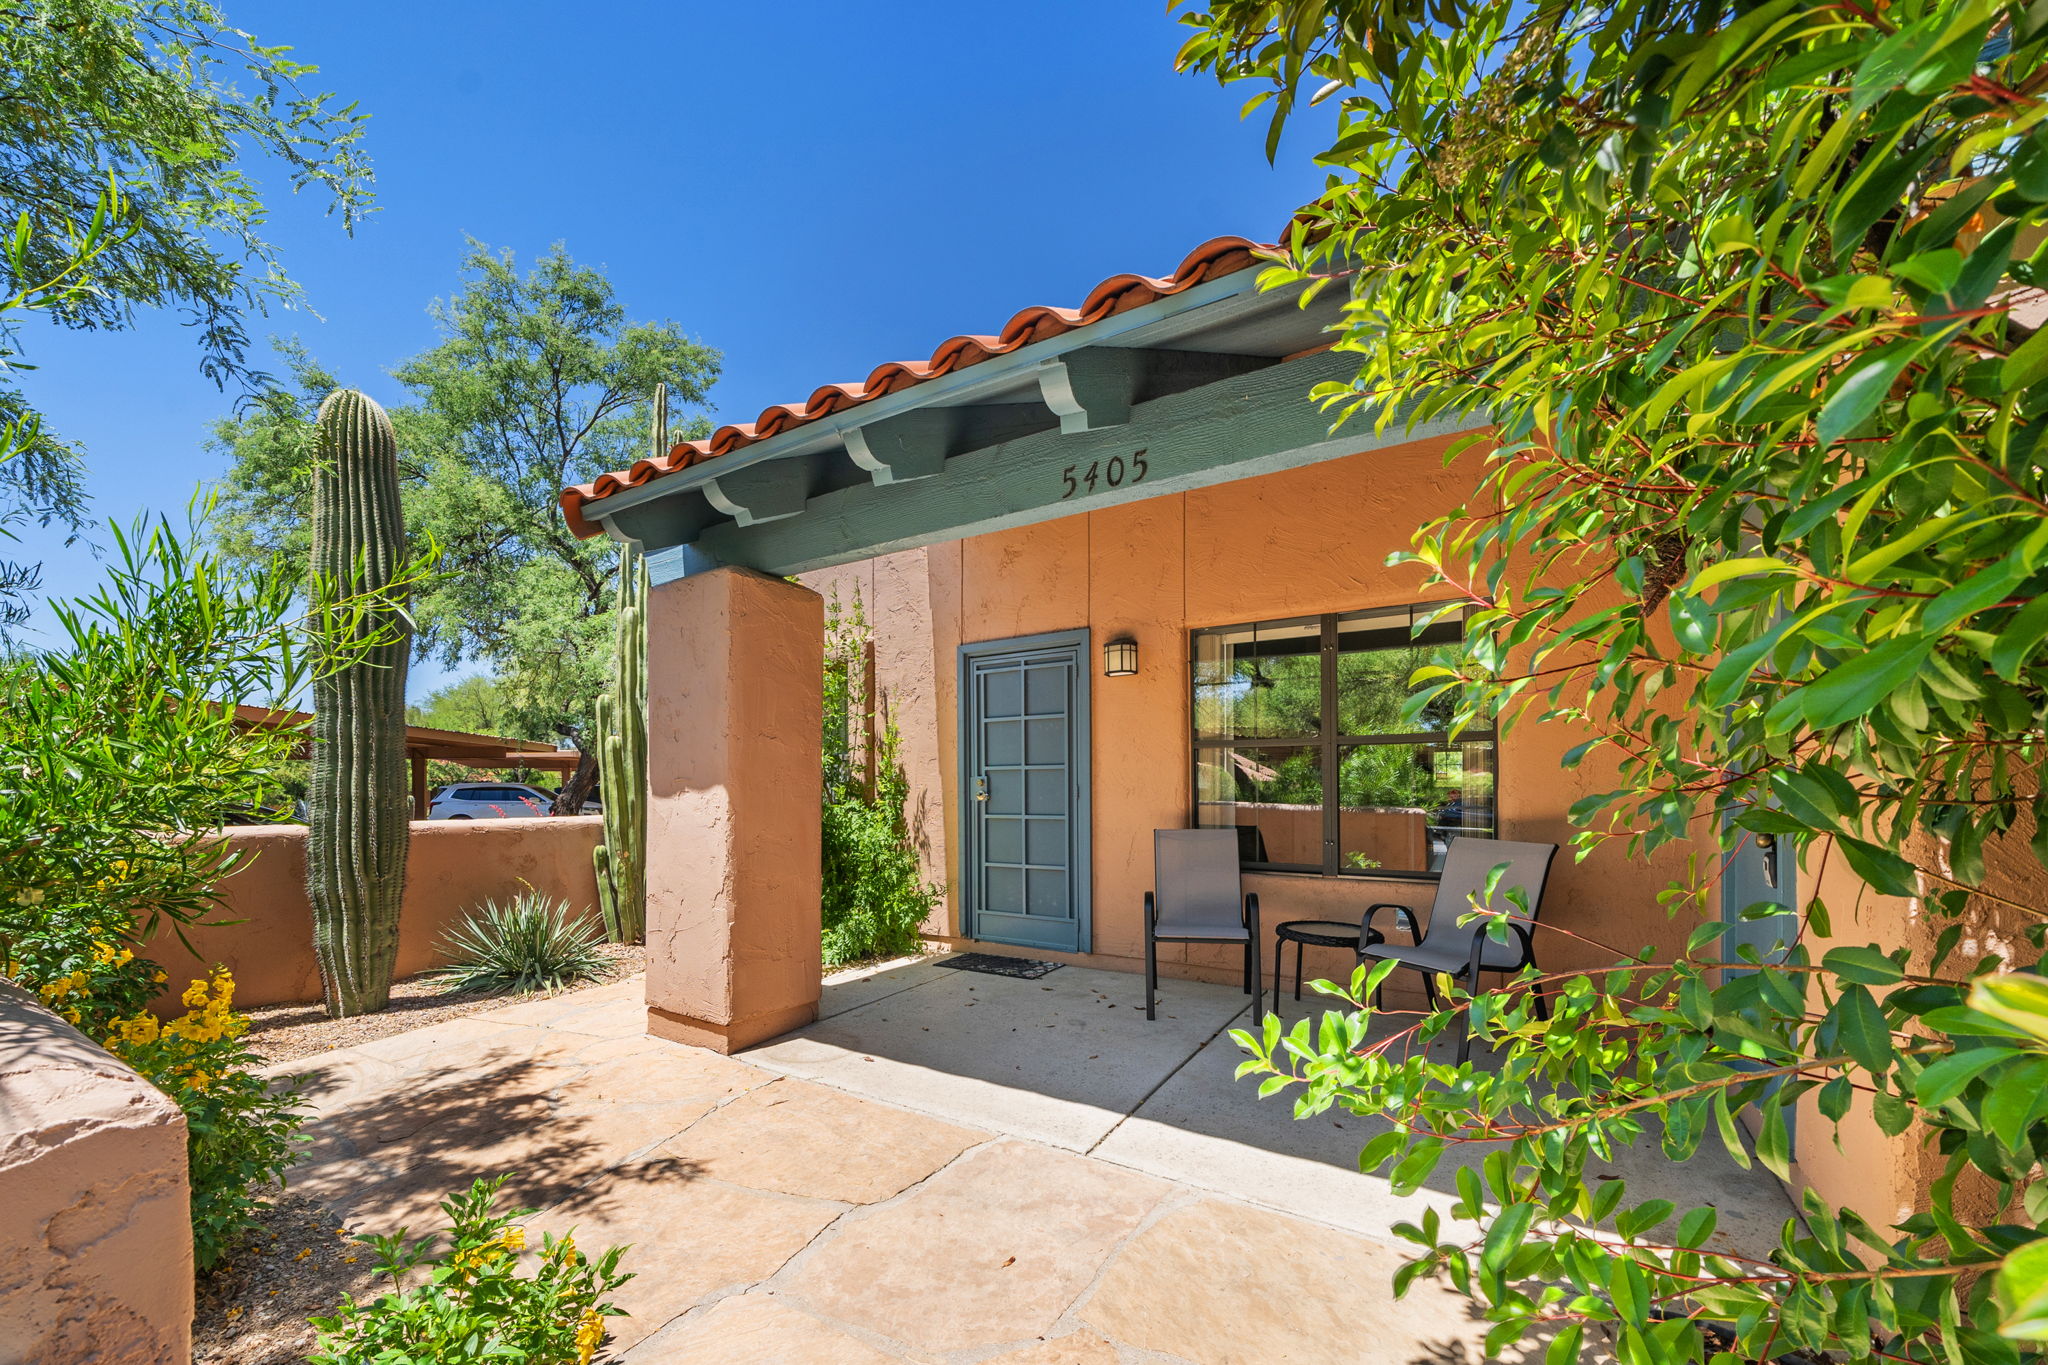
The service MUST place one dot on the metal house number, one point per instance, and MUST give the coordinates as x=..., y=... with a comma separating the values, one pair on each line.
x=1113, y=472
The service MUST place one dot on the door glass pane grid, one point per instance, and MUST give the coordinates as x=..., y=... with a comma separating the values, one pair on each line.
x=1026, y=849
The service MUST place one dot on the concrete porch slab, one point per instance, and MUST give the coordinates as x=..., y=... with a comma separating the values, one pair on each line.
x=1207, y=1128
x=1060, y=1060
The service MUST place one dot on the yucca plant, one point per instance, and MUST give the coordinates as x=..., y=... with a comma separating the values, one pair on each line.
x=529, y=943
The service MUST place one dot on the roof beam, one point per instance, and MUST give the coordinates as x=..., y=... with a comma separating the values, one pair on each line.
x=1095, y=387
x=913, y=445
x=1090, y=389
x=759, y=493
x=1232, y=429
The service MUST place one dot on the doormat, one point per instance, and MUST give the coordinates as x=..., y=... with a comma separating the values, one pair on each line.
x=1023, y=968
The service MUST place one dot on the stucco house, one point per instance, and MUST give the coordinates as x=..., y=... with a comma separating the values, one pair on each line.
x=1123, y=577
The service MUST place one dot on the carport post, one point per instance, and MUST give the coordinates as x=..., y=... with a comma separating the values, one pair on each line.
x=735, y=665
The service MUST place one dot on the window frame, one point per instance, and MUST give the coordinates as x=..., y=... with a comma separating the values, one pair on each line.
x=1330, y=743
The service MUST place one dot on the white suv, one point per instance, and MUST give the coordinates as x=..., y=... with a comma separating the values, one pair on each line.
x=489, y=801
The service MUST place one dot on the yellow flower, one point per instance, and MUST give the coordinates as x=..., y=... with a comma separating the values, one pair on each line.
x=162, y=977
x=303, y=1254
x=513, y=1239
x=195, y=995
x=589, y=1335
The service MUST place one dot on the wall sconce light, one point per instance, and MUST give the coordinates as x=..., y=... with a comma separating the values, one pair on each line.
x=1120, y=657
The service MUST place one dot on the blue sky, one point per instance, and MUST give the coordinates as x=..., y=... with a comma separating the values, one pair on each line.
x=813, y=188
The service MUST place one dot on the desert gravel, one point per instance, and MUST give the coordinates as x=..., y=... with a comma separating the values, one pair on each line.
x=285, y=1033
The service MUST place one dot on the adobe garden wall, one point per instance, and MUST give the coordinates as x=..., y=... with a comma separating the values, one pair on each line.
x=93, y=1202
x=453, y=867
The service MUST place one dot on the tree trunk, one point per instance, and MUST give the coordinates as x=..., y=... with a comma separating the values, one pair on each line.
x=569, y=800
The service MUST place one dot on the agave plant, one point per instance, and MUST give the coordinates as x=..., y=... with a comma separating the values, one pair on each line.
x=531, y=942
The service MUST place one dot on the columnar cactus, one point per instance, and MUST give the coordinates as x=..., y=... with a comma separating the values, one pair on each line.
x=622, y=742
x=359, y=802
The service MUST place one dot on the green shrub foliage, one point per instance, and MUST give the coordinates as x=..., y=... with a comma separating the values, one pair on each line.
x=875, y=895
x=471, y=1301
x=1749, y=295
x=119, y=751
x=529, y=943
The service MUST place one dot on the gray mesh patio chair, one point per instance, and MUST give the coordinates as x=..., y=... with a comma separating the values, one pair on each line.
x=1466, y=950
x=1197, y=896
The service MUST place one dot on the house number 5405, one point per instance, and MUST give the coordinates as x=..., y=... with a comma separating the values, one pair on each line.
x=1114, y=472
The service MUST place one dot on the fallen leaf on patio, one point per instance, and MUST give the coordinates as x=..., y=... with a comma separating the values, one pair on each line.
x=1007, y=1264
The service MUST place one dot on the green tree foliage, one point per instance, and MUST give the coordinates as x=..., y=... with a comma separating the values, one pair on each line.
x=539, y=381
x=39, y=478
x=875, y=896
x=1751, y=295
x=163, y=104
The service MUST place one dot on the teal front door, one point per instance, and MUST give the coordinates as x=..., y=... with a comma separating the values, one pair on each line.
x=1024, y=785
x=1760, y=874
x=1759, y=903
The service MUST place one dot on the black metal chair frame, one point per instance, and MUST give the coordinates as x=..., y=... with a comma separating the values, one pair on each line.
x=1526, y=955
x=1153, y=938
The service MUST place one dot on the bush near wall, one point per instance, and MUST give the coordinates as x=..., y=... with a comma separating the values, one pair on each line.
x=874, y=896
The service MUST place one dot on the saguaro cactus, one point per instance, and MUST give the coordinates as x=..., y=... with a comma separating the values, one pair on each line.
x=359, y=801
x=622, y=742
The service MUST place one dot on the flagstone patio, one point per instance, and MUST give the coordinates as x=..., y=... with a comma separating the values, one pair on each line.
x=948, y=1167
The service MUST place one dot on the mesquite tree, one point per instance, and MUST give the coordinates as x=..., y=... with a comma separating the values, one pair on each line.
x=1749, y=291
x=360, y=802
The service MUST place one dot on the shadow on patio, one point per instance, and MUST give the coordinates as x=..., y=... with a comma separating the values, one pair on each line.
x=1070, y=1060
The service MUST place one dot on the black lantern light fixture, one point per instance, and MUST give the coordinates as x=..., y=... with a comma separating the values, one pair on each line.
x=1120, y=657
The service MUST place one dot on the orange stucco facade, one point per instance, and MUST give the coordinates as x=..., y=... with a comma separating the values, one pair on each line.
x=1300, y=542
x=1306, y=541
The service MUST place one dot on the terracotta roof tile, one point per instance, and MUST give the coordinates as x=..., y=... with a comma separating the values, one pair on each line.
x=1119, y=293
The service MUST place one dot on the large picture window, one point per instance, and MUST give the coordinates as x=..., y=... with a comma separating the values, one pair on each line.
x=1301, y=746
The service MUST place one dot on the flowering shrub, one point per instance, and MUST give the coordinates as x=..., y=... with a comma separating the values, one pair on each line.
x=240, y=1128
x=109, y=784
x=472, y=1303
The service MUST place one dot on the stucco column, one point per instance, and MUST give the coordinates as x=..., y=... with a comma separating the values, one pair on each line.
x=734, y=708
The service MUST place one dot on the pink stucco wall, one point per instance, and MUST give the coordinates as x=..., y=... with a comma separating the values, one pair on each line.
x=734, y=785
x=94, y=1210
x=453, y=867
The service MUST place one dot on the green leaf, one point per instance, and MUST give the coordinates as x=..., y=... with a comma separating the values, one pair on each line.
x=1882, y=868
x=2027, y=365
x=2021, y=1291
x=1505, y=1235
x=1752, y=566
x=2016, y=998
x=1854, y=688
x=1867, y=966
x=1862, y=1029
x=1857, y=394
x=1697, y=1226
x=1951, y=1075
x=2022, y=634
x=1894, y=1116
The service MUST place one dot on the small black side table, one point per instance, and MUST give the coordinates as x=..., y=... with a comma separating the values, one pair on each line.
x=1323, y=933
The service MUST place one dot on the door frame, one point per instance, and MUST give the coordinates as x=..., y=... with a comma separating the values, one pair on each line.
x=1080, y=739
